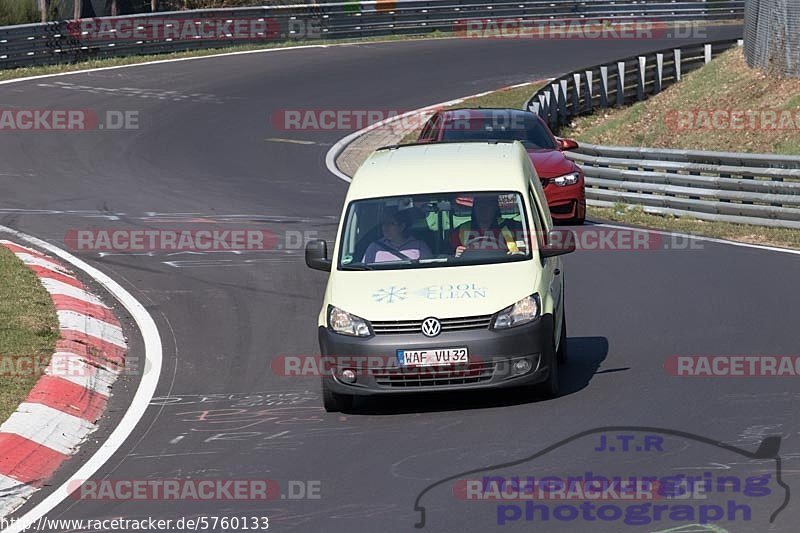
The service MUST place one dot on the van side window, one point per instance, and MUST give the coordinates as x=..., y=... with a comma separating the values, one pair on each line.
x=537, y=219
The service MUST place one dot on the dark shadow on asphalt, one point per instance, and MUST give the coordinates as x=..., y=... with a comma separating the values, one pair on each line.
x=586, y=354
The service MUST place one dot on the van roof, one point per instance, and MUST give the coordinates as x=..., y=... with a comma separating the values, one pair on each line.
x=443, y=167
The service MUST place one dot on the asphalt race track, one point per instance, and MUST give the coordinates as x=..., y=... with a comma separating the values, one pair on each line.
x=201, y=157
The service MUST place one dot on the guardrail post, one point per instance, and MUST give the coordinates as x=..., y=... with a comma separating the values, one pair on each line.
x=576, y=94
x=620, y=83
x=589, y=103
x=677, y=53
x=707, y=50
x=554, y=105
x=659, y=73
x=544, y=104
x=603, y=86
x=534, y=108
x=562, y=103
x=640, y=87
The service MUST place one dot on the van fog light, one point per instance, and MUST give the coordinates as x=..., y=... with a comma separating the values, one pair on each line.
x=522, y=366
x=349, y=376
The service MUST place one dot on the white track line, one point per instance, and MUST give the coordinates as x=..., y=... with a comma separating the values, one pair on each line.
x=139, y=403
x=706, y=239
x=209, y=56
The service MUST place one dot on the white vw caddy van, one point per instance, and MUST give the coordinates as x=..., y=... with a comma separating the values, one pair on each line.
x=444, y=275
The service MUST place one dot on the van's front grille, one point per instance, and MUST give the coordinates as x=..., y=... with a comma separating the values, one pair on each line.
x=394, y=327
x=461, y=374
x=476, y=372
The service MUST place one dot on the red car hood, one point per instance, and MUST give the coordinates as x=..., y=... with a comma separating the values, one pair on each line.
x=550, y=163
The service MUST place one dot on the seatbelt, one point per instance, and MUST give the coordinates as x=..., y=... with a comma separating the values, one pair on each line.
x=389, y=248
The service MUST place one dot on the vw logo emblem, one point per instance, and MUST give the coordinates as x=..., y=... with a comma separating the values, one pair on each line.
x=431, y=327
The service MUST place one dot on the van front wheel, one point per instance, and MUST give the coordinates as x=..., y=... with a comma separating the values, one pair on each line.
x=550, y=387
x=334, y=402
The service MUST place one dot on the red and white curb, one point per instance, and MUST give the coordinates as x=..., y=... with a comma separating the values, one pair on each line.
x=63, y=407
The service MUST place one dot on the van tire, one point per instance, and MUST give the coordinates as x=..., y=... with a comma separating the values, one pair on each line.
x=561, y=355
x=334, y=402
x=550, y=387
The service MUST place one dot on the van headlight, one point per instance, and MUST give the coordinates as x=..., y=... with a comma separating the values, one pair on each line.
x=567, y=179
x=346, y=324
x=522, y=312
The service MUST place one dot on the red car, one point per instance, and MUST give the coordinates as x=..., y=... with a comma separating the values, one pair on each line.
x=562, y=180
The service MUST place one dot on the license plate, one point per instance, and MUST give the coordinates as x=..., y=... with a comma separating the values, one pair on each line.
x=432, y=357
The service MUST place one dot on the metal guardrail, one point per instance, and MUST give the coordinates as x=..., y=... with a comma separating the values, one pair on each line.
x=63, y=41
x=619, y=83
x=759, y=189
x=702, y=188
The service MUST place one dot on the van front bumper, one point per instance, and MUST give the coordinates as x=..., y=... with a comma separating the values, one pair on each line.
x=493, y=358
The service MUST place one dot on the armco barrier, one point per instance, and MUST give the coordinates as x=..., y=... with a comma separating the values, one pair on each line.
x=759, y=189
x=63, y=41
x=621, y=82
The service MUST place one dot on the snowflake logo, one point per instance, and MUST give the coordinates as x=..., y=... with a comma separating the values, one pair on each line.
x=390, y=294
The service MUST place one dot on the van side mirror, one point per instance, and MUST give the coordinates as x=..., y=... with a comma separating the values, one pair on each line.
x=317, y=255
x=567, y=144
x=559, y=242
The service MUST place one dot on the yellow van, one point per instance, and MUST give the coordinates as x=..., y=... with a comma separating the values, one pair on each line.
x=444, y=275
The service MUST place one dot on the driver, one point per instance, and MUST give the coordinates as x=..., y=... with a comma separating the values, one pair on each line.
x=486, y=230
x=396, y=244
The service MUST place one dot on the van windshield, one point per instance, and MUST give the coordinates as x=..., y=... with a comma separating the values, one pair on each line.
x=434, y=230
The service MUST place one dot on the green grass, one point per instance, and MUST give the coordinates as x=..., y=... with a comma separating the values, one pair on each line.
x=18, y=12
x=724, y=84
x=28, y=329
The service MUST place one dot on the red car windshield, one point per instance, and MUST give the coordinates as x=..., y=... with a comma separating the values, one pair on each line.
x=501, y=126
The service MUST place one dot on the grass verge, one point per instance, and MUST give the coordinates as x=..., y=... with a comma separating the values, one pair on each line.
x=28, y=331
x=683, y=116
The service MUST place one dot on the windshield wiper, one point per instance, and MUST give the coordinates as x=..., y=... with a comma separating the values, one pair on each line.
x=356, y=267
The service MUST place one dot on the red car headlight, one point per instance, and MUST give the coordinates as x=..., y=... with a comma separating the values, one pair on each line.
x=567, y=179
